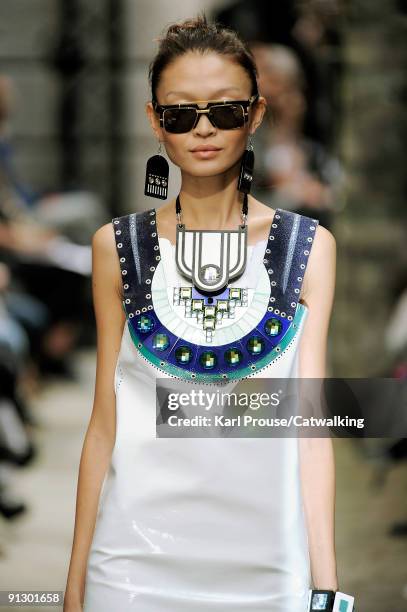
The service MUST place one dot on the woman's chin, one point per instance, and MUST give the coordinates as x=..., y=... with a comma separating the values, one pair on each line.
x=207, y=168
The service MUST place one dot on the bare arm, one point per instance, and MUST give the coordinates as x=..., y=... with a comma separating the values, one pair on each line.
x=101, y=431
x=316, y=454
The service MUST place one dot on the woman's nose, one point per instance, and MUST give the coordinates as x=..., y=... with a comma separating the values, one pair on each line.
x=204, y=126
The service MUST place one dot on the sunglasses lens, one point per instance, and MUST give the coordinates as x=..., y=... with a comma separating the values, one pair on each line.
x=179, y=120
x=228, y=116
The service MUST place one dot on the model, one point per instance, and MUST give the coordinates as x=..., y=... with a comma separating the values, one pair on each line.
x=211, y=288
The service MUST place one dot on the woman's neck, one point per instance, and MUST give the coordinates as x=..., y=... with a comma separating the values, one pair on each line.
x=210, y=202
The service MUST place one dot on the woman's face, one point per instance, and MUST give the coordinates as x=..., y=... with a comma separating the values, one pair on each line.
x=195, y=77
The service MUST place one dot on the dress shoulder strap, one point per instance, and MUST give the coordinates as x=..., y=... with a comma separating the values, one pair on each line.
x=288, y=247
x=138, y=250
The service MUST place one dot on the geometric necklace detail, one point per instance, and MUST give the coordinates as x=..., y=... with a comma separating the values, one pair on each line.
x=210, y=259
x=208, y=310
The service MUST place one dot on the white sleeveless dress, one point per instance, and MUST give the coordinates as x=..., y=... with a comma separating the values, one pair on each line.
x=200, y=524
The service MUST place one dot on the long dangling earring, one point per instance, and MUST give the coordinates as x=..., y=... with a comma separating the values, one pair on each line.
x=157, y=171
x=246, y=169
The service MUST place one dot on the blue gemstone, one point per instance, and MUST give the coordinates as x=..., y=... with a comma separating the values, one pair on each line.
x=233, y=356
x=183, y=354
x=255, y=345
x=273, y=326
x=208, y=360
x=145, y=323
x=161, y=342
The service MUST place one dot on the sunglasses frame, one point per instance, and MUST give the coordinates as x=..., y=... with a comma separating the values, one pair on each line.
x=245, y=104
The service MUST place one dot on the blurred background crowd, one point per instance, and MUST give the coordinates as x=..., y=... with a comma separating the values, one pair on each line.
x=74, y=141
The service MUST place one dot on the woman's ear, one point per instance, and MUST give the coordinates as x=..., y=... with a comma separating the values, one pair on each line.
x=257, y=114
x=154, y=121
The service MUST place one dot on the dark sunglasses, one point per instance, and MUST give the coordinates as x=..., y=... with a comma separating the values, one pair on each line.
x=226, y=115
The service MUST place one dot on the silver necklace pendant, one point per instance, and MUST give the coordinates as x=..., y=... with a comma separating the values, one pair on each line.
x=210, y=259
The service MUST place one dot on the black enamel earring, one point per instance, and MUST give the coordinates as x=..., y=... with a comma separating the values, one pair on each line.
x=246, y=169
x=157, y=171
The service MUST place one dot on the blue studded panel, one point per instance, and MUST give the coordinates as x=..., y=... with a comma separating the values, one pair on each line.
x=288, y=248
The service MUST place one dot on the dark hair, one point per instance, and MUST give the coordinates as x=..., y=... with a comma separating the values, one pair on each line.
x=196, y=34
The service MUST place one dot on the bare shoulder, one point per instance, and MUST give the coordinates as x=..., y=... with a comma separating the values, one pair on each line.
x=105, y=260
x=321, y=269
x=103, y=240
x=323, y=252
x=324, y=239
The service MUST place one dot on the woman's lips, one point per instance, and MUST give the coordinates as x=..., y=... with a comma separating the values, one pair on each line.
x=205, y=153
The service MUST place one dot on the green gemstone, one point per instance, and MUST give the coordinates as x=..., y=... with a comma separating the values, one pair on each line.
x=161, y=342
x=233, y=356
x=145, y=323
x=273, y=326
x=208, y=360
x=255, y=345
x=183, y=354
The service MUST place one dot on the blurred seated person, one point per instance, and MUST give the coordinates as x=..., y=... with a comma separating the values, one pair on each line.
x=48, y=292
x=76, y=213
x=291, y=171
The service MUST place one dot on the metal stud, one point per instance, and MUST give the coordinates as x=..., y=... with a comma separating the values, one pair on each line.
x=122, y=259
x=125, y=286
x=156, y=247
x=148, y=295
x=152, y=268
x=309, y=239
x=118, y=232
x=124, y=272
x=293, y=304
